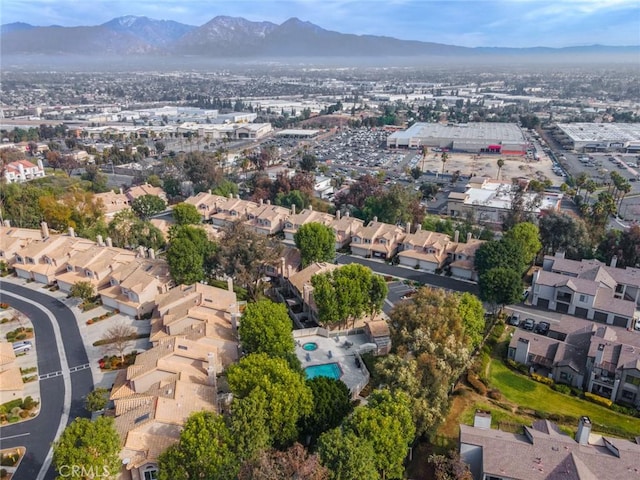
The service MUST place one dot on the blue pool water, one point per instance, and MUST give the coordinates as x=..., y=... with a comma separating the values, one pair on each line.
x=331, y=370
x=310, y=346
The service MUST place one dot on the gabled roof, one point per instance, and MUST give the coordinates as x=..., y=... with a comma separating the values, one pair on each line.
x=303, y=277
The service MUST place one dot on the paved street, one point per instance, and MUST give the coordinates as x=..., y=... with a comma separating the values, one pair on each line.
x=38, y=434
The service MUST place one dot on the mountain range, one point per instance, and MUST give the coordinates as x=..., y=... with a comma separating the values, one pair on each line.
x=227, y=37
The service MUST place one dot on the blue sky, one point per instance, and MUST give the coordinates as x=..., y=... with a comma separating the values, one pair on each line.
x=504, y=23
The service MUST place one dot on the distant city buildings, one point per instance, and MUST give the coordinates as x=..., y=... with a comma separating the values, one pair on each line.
x=600, y=137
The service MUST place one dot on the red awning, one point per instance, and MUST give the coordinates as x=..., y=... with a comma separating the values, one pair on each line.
x=495, y=147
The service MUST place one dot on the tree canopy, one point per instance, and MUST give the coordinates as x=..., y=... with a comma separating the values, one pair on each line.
x=91, y=447
x=559, y=231
x=506, y=252
x=347, y=456
x=288, y=398
x=527, y=236
x=347, y=293
x=331, y=404
x=204, y=451
x=265, y=327
x=189, y=254
x=126, y=230
x=186, y=214
x=295, y=463
x=500, y=286
x=316, y=243
x=146, y=206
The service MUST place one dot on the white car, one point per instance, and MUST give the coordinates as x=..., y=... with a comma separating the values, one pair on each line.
x=20, y=347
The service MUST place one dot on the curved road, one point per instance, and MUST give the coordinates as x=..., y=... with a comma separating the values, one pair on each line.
x=38, y=434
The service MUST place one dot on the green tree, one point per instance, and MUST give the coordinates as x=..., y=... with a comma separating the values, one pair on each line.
x=347, y=456
x=559, y=231
x=308, y=162
x=287, y=395
x=331, y=404
x=398, y=205
x=500, y=286
x=527, y=236
x=472, y=313
x=295, y=197
x=416, y=173
x=250, y=425
x=83, y=289
x=204, y=451
x=266, y=328
x=501, y=253
x=316, y=242
x=500, y=165
x=189, y=254
x=91, y=447
x=97, y=399
x=444, y=157
x=244, y=255
x=346, y=294
x=186, y=214
x=146, y=206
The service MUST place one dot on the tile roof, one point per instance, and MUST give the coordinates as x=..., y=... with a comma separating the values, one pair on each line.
x=7, y=355
x=11, y=379
x=303, y=277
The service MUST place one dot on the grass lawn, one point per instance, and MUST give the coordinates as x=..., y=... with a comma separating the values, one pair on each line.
x=527, y=393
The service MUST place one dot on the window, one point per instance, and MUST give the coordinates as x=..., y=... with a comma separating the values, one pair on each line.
x=583, y=298
x=633, y=380
x=151, y=474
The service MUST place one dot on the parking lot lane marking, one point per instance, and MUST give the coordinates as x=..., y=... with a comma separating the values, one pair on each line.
x=16, y=436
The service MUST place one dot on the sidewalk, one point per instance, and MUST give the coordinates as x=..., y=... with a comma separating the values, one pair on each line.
x=92, y=333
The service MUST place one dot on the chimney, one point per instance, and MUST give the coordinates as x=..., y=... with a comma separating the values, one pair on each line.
x=211, y=369
x=418, y=227
x=121, y=191
x=338, y=214
x=289, y=271
x=293, y=209
x=306, y=291
x=311, y=208
x=109, y=242
x=230, y=284
x=482, y=419
x=261, y=201
x=268, y=201
x=72, y=233
x=44, y=228
x=99, y=241
x=282, y=266
x=231, y=196
x=407, y=228
x=599, y=354
x=559, y=254
x=584, y=430
x=375, y=219
x=614, y=261
x=210, y=192
x=456, y=236
x=469, y=237
x=347, y=213
x=152, y=254
x=7, y=223
x=141, y=251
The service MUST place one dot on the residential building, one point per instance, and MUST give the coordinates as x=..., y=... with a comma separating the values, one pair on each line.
x=267, y=219
x=206, y=203
x=199, y=312
x=344, y=227
x=112, y=202
x=463, y=259
x=377, y=239
x=145, y=189
x=542, y=451
x=588, y=289
x=14, y=239
x=425, y=250
x=134, y=286
x=231, y=210
x=308, y=215
x=300, y=292
x=322, y=187
x=23, y=171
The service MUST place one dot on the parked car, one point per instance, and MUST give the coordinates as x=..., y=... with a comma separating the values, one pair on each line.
x=514, y=320
x=20, y=347
x=542, y=328
x=529, y=324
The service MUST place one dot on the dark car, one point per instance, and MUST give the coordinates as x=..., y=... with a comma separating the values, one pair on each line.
x=514, y=320
x=542, y=328
x=529, y=324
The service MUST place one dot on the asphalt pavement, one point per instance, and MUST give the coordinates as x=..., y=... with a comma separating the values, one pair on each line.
x=38, y=434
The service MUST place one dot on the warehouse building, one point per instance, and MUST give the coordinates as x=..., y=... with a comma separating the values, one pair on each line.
x=600, y=137
x=505, y=138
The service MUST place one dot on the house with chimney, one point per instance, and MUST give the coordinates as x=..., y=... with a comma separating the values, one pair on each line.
x=140, y=190
x=230, y=210
x=299, y=291
x=378, y=240
x=462, y=259
x=307, y=215
x=134, y=286
x=206, y=203
x=543, y=451
x=267, y=219
x=22, y=171
x=588, y=289
x=13, y=239
x=425, y=250
x=155, y=396
x=344, y=227
x=112, y=202
x=202, y=313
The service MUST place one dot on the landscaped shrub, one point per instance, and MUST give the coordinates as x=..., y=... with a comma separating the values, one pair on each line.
x=632, y=412
x=541, y=414
x=519, y=367
x=592, y=397
x=476, y=383
x=10, y=405
x=4, y=306
x=28, y=403
x=3, y=473
x=559, y=387
x=542, y=379
x=9, y=459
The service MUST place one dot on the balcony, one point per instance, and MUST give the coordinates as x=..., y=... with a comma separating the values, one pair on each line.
x=604, y=380
x=563, y=297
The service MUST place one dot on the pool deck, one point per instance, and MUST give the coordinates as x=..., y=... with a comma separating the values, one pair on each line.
x=335, y=350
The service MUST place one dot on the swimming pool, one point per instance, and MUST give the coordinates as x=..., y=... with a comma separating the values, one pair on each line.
x=331, y=370
x=310, y=346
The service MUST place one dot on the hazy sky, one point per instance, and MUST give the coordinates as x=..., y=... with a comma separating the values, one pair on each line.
x=504, y=23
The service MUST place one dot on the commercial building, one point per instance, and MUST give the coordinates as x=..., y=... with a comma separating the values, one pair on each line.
x=593, y=137
x=505, y=138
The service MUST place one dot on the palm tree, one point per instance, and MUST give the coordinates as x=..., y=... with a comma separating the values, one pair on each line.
x=500, y=165
x=444, y=158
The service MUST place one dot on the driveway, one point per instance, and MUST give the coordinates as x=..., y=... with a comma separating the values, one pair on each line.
x=430, y=279
x=38, y=434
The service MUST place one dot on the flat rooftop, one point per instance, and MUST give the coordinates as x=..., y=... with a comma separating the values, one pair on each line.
x=473, y=131
x=601, y=132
